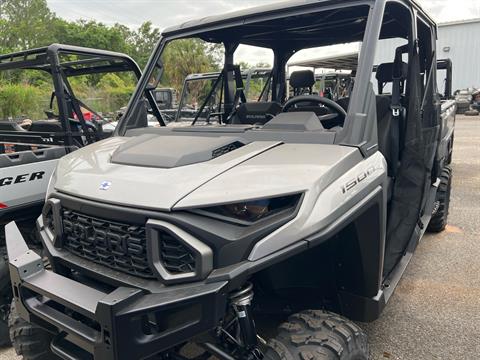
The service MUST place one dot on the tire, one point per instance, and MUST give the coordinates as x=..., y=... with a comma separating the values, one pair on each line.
x=318, y=335
x=2, y=235
x=438, y=222
x=5, y=297
x=29, y=341
x=450, y=150
x=471, y=113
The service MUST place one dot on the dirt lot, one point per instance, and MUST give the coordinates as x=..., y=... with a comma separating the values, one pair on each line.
x=435, y=311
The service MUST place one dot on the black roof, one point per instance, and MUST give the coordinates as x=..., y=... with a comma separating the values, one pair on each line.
x=241, y=24
x=89, y=61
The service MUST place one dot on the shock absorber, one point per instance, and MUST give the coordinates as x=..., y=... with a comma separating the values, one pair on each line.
x=241, y=301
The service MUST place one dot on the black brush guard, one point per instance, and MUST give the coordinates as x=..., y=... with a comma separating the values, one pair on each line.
x=126, y=323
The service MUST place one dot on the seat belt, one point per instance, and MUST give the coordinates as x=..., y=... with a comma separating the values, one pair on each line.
x=239, y=93
x=397, y=113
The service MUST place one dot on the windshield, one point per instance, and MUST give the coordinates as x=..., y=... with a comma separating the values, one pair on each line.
x=229, y=51
x=206, y=90
x=197, y=91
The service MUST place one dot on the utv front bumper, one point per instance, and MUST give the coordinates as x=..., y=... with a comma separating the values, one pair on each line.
x=125, y=323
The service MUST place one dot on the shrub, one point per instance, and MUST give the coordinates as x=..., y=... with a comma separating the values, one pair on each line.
x=22, y=100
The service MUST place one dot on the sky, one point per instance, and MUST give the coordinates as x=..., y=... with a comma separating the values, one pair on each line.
x=164, y=13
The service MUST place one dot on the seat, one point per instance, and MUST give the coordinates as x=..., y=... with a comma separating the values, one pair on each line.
x=386, y=144
x=384, y=120
x=389, y=138
x=302, y=83
x=385, y=74
x=48, y=126
x=252, y=113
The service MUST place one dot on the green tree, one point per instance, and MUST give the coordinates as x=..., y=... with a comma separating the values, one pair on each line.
x=91, y=34
x=25, y=24
x=186, y=56
x=143, y=41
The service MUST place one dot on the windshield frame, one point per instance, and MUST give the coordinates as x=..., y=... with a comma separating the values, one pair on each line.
x=359, y=127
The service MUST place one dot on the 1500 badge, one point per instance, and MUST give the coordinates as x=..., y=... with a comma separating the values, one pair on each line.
x=10, y=180
x=349, y=185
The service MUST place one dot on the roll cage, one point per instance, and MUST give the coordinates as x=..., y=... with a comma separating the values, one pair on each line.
x=446, y=64
x=216, y=78
x=54, y=59
x=289, y=27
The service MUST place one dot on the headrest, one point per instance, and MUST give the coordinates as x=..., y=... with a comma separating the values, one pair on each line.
x=385, y=72
x=257, y=112
x=302, y=79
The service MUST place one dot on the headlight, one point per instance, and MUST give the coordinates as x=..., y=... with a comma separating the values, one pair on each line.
x=253, y=210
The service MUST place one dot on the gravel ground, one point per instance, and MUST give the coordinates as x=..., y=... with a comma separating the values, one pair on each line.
x=435, y=310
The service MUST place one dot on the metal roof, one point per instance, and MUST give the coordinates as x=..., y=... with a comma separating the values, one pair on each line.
x=459, y=22
x=348, y=61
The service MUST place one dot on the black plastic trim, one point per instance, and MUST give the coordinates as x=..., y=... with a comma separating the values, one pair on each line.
x=120, y=316
x=230, y=243
x=202, y=253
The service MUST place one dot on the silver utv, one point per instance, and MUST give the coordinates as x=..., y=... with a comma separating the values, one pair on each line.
x=291, y=209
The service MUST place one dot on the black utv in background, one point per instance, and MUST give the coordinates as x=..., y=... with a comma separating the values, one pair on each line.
x=302, y=211
x=29, y=153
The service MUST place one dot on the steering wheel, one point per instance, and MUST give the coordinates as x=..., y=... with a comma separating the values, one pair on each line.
x=338, y=111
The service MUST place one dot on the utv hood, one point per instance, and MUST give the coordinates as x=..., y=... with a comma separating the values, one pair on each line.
x=151, y=171
x=172, y=151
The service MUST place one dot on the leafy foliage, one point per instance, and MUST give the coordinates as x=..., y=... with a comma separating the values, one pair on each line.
x=186, y=56
x=21, y=100
x=26, y=24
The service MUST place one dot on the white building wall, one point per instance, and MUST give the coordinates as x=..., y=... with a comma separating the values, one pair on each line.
x=459, y=41
x=462, y=40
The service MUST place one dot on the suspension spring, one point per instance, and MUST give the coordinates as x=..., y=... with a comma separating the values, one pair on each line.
x=241, y=302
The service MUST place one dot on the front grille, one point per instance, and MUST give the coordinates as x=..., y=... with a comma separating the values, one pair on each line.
x=117, y=245
x=175, y=256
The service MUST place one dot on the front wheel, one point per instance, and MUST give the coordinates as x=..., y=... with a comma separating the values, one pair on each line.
x=438, y=221
x=5, y=296
x=318, y=335
x=29, y=341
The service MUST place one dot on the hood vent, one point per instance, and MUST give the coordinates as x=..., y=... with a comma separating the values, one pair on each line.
x=173, y=151
x=226, y=149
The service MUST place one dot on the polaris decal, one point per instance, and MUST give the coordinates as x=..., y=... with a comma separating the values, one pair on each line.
x=349, y=185
x=105, y=185
x=22, y=178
